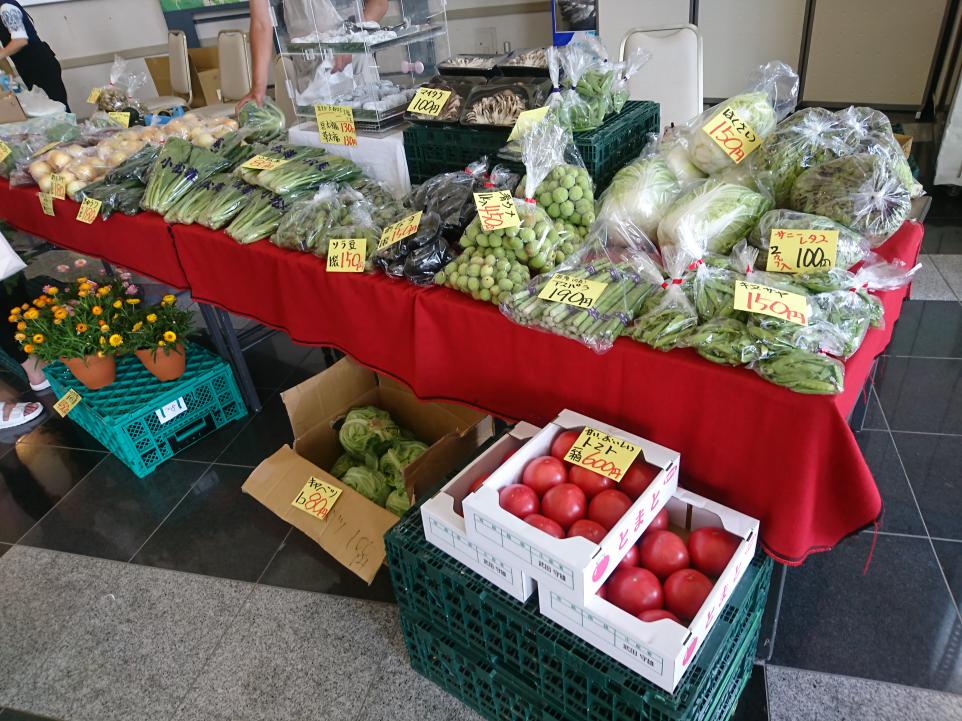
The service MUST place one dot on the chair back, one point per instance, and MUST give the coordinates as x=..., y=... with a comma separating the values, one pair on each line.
x=234, y=59
x=179, y=64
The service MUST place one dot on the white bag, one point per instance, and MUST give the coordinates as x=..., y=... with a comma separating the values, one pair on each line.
x=10, y=263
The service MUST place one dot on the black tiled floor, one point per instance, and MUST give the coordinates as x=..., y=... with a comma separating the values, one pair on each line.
x=901, y=515
x=753, y=705
x=62, y=432
x=274, y=360
x=934, y=467
x=942, y=237
x=216, y=530
x=944, y=206
x=950, y=556
x=4, y=547
x=209, y=448
x=112, y=512
x=930, y=328
x=267, y=431
x=922, y=394
x=898, y=623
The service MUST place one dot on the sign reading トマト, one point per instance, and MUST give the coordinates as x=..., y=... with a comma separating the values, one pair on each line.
x=496, y=210
x=734, y=136
x=335, y=124
x=429, y=101
x=757, y=298
x=346, y=255
x=399, y=230
x=317, y=498
x=603, y=453
x=580, y=293
x=793, y=250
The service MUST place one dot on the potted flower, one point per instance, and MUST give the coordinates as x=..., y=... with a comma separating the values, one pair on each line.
x=158, y=334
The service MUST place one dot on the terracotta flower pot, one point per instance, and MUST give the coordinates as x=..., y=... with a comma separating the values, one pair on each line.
x=93, y=371
x=163, y=364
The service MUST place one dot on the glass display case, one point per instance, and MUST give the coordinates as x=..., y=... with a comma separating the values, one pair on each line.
x=369, y=55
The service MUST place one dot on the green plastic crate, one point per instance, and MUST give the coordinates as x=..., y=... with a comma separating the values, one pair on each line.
x=440, y=149
x=145, y=422
x=584, y=682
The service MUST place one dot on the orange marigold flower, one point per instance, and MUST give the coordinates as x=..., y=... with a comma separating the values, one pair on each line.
x=21, y=326
x=27, y=348
x=82, y=327
x=32, y=314
x=96, y=310
x=37, y=338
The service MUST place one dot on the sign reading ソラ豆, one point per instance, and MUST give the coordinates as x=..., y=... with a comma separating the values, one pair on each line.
x=317, y=498
x=399, y=230
x=793, y=250
x=603, y=453
x=335, y=124
x=496, y=210
x=757, y=298
x=734, y=136
x=346, y=255
x=429, y=101
x=567, y=289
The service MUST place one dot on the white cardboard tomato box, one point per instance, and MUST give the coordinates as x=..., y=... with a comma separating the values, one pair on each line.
x=444, y=524
x=574, y=567
x=661, y=651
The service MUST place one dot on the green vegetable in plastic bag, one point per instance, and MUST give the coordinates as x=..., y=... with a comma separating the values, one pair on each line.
x=852, y=247
x=725, y=341
x=804, y=372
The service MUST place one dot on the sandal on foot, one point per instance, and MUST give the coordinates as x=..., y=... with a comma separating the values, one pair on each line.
x=19, y=415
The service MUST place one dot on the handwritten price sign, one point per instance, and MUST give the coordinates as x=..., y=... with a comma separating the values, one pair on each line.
x=733, y=135
x=46, y=148
x=4, y=151
x=46, y=203
x=569, y=290
x=89, y=209
x=346, y=255
x=58, y=186
x=801, y=251
x=496, y=210
x=317, y=498
x=526, y=120
x=122, y=119
x=756, y=298
x=262, y=162
x=399, y=230
x=335, y=124
x=603, y=453
x=94, y=95
x=66, y=404
x=429, y=101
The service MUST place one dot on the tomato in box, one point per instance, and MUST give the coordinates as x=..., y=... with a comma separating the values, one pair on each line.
x=588, y=481
x=594, y=532
x=518, y=500
x=545, y=524
x=608, y=507
x=663, y=553
x=563, y=442
x=634, y=590
x=685, y=592
x=564, y=504
x=657, y=614
x=637, y=479
x=543, y=474
x=711, y=549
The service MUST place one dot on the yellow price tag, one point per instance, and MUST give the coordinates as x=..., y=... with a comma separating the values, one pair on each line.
x=317, y=498
x=66, y=404
x=58, y=186
x=496, y=210
x=603, y=453
x=580, y=293
x=121, y=118
x=46, y=203
x=262, y=162
x=527, y=119
x=94, y=95
x=89, y=209
x=793, y=250
x=335, y=124
x=757, y=298
x=734, y=136
x=46, y=148
x=346, y=255
x=429, y=101
x=4, y=151
x=399, y=230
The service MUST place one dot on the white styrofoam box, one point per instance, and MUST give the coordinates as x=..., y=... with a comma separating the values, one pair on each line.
x=444, y=524
x=574, y=567
x=660, y=650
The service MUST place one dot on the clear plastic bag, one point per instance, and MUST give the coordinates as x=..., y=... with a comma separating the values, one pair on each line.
x=859, y=191
x=553, y=56
x=672, y=316
x=449, y=195
x=623, y=71
x=803, y=372
x=22, y=148
x=567, y=195
x=866, y=130
x=124, y=84
x=852, y=247
x=588, y=76
x=419, y=257
x=672, y=147
x=724, y=340
x=305, y=18
x=228, y=202
x=713, y=287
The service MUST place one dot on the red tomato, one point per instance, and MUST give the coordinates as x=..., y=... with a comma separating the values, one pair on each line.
x=594, y=532
x=564, y=504
x=544, y=472
x=631, y=558
x=685, y=592
x=608, y=507
x=656, y=614
x=663, y=553
x=518, y=500
x=588, y=481
x=603, y=592
x=637, y=479
x=562, y=443
x=508, y=455
x=711, y=549
x=545, y=524
x=477, y=483
x=658, y=523
x=634, y=590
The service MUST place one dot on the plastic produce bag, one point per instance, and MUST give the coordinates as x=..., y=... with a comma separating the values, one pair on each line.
x=623, y=72
x=386, y=208
x=859, y=191
x=589, y=77
x=261, y=216
x=567, y=195
x=450, y=196
x=419, y=257
x=713, y=287
x=866, y=130
x=852, y=247
x=672, y=148
x=118, y=96
x=307, y=220
x=726, y=341
x=804, y=372
x=356, y=224
x=180, y=167
x=227, y=203
x=673, y=316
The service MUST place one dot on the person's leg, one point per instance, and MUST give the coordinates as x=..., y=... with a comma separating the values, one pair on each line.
x=13, y=293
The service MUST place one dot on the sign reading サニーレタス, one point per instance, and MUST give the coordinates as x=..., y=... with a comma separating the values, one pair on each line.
x=496, y=210
x=793, y=250
x=603, y=453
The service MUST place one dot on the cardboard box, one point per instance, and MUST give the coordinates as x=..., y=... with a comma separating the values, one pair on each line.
x=353, y=531
x=159, y=69
x=574, y=567
x=660, y=650
x=444, y=523
x=207, y=87
x=905, y=142
x=10, y=110
x=204, y=75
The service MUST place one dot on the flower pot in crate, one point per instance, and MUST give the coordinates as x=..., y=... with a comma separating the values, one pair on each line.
x=165, y=364
x=94, y=371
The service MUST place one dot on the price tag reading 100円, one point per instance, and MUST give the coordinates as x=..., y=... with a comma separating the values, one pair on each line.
x=793, y=250
x=429, y=101
x=603, y=453
x=317, y=498
x=335, y=124
x=346, y=255
x=734, y=136
x=496, y=210
x=567, y=289
x=756, y=298
x=399, y=230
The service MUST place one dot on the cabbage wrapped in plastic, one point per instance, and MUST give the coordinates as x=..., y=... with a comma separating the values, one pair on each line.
x=397, y=457
x=852, y=247
x=859, y=191
x=866, y=130
x=398, y=502
x=640, y=193
x=369, y=483
x=712, y=216
x=672, y=149
x=343, y=464
x=367, y=432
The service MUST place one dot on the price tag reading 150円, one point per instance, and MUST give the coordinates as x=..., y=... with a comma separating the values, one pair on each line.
x=346, y=255
x=793, y=250
x=429, y=101
x=399, y=230
x=567, y=289
x=734, y=136
x=757, y=298
x=317, y=498
x=335, y=124
x=496, y=210
x=603, y=453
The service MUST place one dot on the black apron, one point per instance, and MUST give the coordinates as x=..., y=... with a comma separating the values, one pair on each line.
x=36, y=62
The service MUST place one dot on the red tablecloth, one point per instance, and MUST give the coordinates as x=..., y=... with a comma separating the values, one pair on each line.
x=788, y=459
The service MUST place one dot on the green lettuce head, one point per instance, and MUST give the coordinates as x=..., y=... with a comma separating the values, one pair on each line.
x=344, y=462
x=367, y=432
x=397, y=457
x=369, y=483
x=398, y=502
x=755, y=109
x=852, y=247
x=640, y=194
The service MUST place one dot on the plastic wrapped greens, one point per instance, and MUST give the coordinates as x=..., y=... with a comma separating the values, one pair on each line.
x=449, y=195
x=357, y=224
x=623, y=72
x=260, y=218
x=672, y=316
x=309, y=220
x=567, y=195
x=866, y=130
x=419, y=257
x=180, y=167
x=386, y=208
x=227, y=203
x=713, y=287
x=672, y=148
x=852, y=247
x=307, y=173
x=804, y=372
x=589, y=76
x=859, y=191
x=261, y=121
x=22, y=149
x=724, y=340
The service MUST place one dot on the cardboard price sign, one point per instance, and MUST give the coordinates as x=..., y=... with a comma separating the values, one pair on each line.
x=757, y=298
x=4, y=151
x=429, y=101
x=346, y=255
x=317, y=498
x=94, y=95
x=89, y=209
x=335, y=124
x=46, y=148
x=603, y=453
x=793, y=250
x=733, y=135
x=58, y=186
x=66, y=404
x=262, y=162
x=399, y=230
x=121, y=118
x=496, y=210
x=46, y=203
x=527, y=119
x=567, y=289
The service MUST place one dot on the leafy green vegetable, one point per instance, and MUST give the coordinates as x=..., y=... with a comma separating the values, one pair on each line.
x=367, y=432
x=753, y=108
x=852, y=247
x=344, y=462
x=869, y=131
x=725, y=341
x=261, y=122
x=640, y=193
x=401, y=454
x=398, y=502
x=369, y=483
x=180, y=167
x=804, y=372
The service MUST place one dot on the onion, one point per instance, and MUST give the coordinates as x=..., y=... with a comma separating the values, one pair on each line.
x=115, y=159
x=75, y=151
x=45, y=183
x=204, y=140
x=231, y=123
x=68, y=177
x=58, y=160
x=39, y=169
x=75, y=187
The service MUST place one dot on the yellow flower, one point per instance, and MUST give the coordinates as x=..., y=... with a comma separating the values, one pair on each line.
x=160, y=344
x=96, y=310
x=15, y=311
x=21, y=326
x=170, y=336
x=28, y=349
x=81, y=327
x=25, y=306
x=53, y=290
x=151, y=317
x=20, y=337
x=84, y=287
x=40, y=302
x=60, y=313
x=133, y=301
x=32, y=314
x=104, y=328
x=118, y=304
x=82, y=279
x=57, y=321
x=38, y=338
x=102, y=340
x=168, y=299
x=116, y=340
x=105, y=290
x=14, y=319
x=83, y=294
x=137, y=326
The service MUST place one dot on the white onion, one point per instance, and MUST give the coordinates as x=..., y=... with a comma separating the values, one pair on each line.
x=75, y=187
x=39, y=169
x=45, y=183
x=58, y=160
